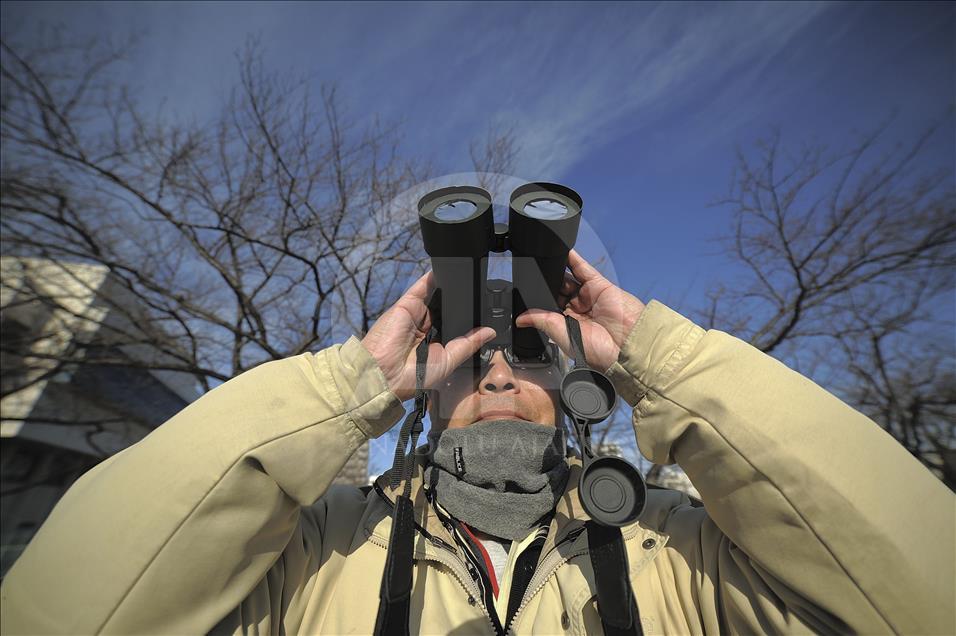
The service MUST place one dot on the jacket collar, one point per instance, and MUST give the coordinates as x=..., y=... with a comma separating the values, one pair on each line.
x=569, y=515
x=424, y=514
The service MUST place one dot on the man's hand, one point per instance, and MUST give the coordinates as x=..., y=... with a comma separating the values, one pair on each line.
x=606, y=313
x=395, y=335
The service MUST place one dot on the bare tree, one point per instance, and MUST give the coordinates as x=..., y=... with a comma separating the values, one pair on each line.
x=494, y=157
x=848, y=272
x=905, y=380
x=275, y=228
x=228, y=243
x=847, y=266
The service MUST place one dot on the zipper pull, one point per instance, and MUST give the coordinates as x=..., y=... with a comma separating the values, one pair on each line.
x=441, y=544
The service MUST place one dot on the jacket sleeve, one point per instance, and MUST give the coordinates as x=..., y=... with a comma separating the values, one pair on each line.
x=814, y=516
x=172, y=533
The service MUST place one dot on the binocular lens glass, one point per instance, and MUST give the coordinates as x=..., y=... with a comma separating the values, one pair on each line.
x=455, y=210
x=545, y=209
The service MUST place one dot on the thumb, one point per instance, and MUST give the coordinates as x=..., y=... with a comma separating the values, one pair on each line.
x=550, y=322
x=463, y=347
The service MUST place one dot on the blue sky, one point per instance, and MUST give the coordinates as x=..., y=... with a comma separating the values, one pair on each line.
x=637, y=106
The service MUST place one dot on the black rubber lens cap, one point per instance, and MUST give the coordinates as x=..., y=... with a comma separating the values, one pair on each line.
x=612, y=491
x=587, y=395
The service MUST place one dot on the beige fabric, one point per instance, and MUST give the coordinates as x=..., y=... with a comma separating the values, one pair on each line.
x=223, y=519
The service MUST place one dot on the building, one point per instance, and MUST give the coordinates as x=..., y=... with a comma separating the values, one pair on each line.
x=58, y=420
x=672, y=477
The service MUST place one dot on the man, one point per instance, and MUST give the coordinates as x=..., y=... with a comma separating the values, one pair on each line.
x=223, y=520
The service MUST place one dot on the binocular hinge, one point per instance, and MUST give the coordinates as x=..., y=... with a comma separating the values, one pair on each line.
x=502, y=244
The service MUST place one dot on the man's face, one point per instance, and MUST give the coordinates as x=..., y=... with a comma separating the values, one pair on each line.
x=497, y=391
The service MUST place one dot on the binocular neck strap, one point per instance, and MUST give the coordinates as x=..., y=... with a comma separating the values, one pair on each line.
x=412, y=426
x=581, y=429
x=577, y=343
x=396, y=591
x=615, y=597
x=616, y=603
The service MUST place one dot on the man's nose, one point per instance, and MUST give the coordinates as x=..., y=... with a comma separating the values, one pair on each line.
x=499, y=378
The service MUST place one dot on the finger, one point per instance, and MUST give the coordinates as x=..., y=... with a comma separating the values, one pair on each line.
x=564, y=300
x=569, y=285
x=415, y=298
x=578, y=306
x=422, y=288
x=582, y=270
x=550, y=322
x=463, y=347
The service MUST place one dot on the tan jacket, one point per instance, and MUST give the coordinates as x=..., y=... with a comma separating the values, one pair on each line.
x=223, y=520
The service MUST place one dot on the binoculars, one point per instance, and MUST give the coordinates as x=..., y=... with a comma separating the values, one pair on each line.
x=459, y=234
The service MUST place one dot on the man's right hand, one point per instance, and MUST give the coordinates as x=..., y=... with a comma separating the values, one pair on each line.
x=393, y=338
x=606, y=313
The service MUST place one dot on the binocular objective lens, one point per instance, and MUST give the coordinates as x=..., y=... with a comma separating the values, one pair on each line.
x=545, y=209
x=455, y=210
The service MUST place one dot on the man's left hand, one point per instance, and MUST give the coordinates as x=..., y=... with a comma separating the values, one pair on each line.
x=393, y=338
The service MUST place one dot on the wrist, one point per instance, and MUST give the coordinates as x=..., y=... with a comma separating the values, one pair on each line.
x=380, y=359
x=654, y=349
x=633, y=309
x=363, y=387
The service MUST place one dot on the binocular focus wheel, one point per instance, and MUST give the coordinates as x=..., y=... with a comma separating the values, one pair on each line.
x=613, y=491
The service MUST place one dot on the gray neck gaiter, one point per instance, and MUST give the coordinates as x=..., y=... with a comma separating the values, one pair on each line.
x=499, y=476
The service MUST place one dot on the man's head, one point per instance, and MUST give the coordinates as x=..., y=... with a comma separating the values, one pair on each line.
x=497, y=391
x=497, y=451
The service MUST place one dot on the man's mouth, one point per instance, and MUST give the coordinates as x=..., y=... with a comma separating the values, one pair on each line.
x=499, y=414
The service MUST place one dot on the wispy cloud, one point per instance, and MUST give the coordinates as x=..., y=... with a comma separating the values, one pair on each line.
x=572, y=78
x=568, y=77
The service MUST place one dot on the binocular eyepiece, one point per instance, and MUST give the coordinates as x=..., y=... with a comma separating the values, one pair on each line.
x=459, y=233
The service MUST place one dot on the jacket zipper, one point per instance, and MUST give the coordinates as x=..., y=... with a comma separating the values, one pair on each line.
x=454, y=564
x=552, y=561
x=456, y=567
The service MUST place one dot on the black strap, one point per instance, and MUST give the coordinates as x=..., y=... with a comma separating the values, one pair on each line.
x=615, y=597
x=412, y=426
x=582, y=429
x=577, y=343
x=396, y=590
